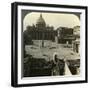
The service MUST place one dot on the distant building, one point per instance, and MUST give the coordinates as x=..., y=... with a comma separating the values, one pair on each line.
x=76, y=42
x=65, y=35
x=41, y=31
x=76, y=30
x=76, y=46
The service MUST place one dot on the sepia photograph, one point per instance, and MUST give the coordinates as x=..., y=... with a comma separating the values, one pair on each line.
x=49, y=44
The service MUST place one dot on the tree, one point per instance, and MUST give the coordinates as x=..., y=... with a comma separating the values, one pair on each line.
x=27, y=38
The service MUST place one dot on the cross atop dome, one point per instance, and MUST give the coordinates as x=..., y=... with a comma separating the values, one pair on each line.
x=41, y=15
x=40, y=21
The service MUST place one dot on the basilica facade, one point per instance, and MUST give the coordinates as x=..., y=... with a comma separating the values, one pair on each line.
x=41, y=31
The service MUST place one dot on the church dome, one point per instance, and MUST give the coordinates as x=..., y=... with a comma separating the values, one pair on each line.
x=41, y=21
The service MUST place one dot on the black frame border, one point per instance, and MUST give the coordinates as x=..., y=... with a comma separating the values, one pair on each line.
x=14, y=43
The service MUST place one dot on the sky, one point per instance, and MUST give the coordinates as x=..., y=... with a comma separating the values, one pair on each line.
x=52, y=19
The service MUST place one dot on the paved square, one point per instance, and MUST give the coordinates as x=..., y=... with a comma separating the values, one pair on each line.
x=37, y=51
